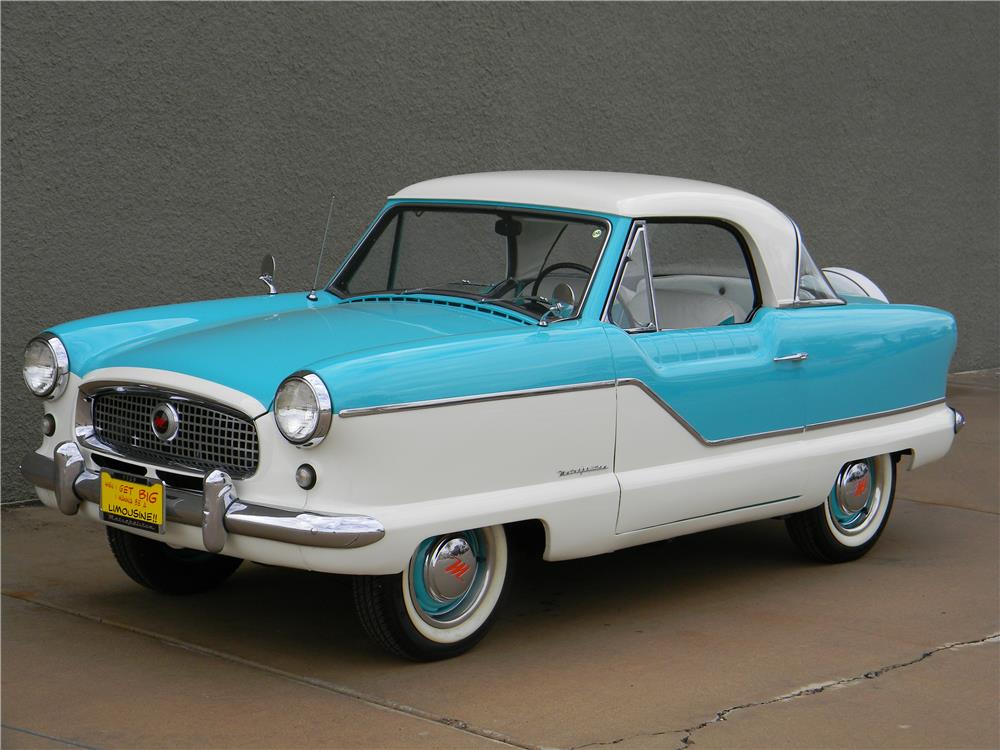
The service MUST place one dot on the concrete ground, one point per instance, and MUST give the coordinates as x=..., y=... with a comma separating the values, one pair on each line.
x=723, y=639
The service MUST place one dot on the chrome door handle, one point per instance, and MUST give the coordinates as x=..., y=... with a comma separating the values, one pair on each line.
x=798, y=357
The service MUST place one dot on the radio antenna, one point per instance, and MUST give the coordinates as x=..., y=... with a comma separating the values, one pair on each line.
x=312, y=292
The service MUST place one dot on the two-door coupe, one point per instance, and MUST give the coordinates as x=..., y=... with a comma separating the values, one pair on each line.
x=610, y=359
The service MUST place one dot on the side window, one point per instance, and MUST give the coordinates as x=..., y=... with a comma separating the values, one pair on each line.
x=701, y=274
x=632, y=308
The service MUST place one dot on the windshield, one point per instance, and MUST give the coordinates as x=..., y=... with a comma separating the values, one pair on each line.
x=537, y=263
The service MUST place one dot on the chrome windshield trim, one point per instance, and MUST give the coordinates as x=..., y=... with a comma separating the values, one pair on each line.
x=457, y=400
x=633, y=231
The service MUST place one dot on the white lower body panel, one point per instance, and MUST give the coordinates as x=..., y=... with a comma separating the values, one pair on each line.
x=551, y=458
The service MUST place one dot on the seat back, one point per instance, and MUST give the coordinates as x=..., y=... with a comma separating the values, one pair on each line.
x=684, y=309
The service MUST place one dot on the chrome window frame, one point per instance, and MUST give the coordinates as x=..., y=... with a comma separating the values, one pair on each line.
x=640, y=225
x=638, y=228
x=796, y=301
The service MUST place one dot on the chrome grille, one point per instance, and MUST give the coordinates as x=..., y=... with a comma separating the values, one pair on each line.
x=207, y=437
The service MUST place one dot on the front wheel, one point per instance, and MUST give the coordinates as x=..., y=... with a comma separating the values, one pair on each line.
x=167, y=569
x=856, y=511
x=445, y=600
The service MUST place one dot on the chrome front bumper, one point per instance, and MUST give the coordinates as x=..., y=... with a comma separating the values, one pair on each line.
x=217, y=509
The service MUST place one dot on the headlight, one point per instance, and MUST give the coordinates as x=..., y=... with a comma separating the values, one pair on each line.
x=303, y=410
x=46, y=366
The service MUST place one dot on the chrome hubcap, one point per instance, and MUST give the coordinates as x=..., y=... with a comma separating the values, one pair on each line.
x=854, y=487
x=449, y=575
x=449, y=569
x=856, y=496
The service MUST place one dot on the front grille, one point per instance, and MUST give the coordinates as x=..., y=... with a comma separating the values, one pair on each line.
x=207, y=437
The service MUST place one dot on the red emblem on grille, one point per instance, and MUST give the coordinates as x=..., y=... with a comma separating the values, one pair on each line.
x=160, y=422
x=457, y=569
x=164, y=422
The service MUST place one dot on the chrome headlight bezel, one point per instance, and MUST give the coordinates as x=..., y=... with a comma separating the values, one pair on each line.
x=60, y=364
x=323, y=408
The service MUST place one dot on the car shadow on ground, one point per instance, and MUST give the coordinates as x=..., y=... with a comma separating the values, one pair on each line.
x=284, y=612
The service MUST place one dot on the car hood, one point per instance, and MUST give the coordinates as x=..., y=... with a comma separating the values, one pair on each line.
x=252, y=344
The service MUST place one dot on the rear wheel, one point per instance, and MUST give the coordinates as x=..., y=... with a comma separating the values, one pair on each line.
x=167, y=569
x=856, y=511
x=444, y=602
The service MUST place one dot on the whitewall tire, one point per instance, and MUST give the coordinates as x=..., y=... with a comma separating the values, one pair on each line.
x=446, y=599
x=852, y=518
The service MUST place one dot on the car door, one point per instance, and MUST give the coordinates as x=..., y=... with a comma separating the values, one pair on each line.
x=704, y=375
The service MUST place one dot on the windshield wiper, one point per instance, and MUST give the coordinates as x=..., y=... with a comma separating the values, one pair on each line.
x=441, y=287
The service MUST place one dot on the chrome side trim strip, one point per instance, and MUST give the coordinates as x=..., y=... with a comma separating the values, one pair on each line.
x=459, y=400
x=501, y=396
x=691, y=430
x=772, y=433
x=874, y=415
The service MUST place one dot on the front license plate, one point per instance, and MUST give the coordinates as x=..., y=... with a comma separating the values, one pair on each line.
x=132, y=503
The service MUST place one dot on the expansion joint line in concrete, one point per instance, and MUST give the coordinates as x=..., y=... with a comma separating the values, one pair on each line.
x=686, y=740
x=49, y=737
x=375, y=701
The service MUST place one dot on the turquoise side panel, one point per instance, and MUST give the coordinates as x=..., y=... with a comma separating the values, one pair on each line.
x=870, y=358
x=722, y=380
x=862, y=359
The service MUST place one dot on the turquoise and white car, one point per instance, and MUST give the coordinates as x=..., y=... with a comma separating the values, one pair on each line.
x=606, y=359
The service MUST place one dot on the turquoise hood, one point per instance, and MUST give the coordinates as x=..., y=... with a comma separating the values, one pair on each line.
x=252, y=343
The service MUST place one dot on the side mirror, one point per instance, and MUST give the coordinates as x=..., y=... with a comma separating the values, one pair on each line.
x=564, y=293
x=267, y=273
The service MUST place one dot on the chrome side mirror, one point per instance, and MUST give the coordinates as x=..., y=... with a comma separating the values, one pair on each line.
x=564, y=293
x=563, y=298
x=267, y=273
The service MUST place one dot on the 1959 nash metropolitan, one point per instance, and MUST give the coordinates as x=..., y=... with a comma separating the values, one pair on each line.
x=614, y=359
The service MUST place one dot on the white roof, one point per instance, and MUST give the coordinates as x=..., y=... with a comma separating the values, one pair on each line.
x=769, y=233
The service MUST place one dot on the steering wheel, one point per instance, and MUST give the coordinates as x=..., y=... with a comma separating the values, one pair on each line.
x=555, y=267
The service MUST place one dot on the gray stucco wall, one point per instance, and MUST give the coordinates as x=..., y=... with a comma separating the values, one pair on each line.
x=153, y=152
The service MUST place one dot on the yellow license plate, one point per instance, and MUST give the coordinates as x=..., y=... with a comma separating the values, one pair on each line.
x=131, y=503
